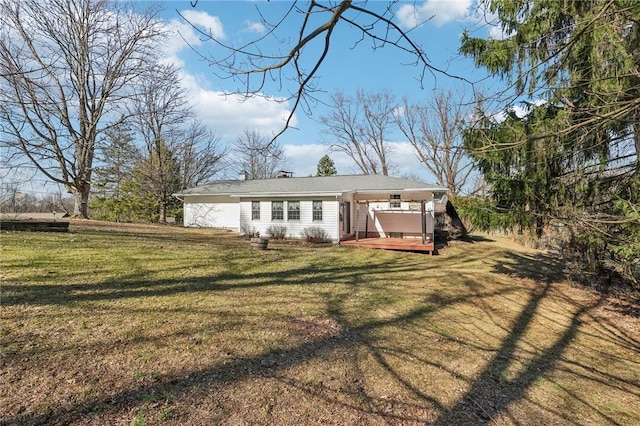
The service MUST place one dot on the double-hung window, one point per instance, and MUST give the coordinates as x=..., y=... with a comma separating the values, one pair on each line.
x=277, y=210
x=255, y=210
x=317, y=210
x=394, y=201
x=293, y=210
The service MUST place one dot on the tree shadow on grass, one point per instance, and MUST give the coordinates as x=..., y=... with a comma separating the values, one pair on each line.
x=263, y=365
x=139, y=284
x=541, y=267
x=267, y=364
x=488, y=395
x=491, y=392
x=474, y=238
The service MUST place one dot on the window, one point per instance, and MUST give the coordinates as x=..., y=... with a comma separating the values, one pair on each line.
x=255, y=210
x=317, y=210
x=277, y=210
x=394, y=201
x=293, y=210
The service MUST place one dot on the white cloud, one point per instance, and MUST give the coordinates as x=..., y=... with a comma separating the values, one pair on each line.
x=442, y=12
x=229, y=115
x=406, y=163
x=255, y=27
x=521, y=111
x=210, y=25
x=183, y=34
x=303, y=159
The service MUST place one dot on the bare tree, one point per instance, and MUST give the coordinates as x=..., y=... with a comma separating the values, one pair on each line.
x=254, y=65
x=160, y=109
x=156, y=177
x=360, y=127
x=65, y=68
x=256, y=155
x=434, y=131
x=199, y=155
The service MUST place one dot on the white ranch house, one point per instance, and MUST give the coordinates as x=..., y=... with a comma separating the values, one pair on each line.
x=346, y=207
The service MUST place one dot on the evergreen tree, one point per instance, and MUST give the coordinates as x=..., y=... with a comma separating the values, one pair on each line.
x=326, y=167
x=572, y=158
x=116, y=157
x=156, y=178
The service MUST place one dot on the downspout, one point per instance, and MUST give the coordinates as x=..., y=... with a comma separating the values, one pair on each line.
x=339, y=233
x=357, y=219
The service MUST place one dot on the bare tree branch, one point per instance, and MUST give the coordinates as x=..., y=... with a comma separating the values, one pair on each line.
x=434, y=131
x=360, y=128
x=253, y=66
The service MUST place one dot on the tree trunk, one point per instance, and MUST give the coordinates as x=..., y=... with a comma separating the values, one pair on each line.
x=454, y=224
x=81, y=196
x=163, y=212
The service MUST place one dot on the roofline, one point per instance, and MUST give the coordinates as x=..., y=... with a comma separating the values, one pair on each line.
x=308, y=193
x=376, y=191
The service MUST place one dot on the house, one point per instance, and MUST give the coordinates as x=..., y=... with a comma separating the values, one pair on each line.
x=347, y=207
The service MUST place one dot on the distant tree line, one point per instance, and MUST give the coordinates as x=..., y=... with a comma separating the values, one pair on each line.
x=12, y=200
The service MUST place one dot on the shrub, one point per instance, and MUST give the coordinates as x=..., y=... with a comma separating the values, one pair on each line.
x=277, y=232
x=314, y=234
x=249, y=231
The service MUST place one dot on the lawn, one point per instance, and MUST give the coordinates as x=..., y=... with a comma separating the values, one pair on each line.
x=141, y=325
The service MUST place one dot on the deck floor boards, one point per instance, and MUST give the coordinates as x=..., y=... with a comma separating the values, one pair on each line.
x=405, y=244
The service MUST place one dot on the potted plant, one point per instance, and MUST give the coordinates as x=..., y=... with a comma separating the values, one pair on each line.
x=258, y=242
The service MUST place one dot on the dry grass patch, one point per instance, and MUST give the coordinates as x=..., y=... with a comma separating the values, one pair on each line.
x=123, y=324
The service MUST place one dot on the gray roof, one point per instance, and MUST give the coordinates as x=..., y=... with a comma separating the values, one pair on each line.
x=329, y=185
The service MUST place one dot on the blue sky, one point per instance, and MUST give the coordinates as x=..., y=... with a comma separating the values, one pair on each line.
x=349, y=66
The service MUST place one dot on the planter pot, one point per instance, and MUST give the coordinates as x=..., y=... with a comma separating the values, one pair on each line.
x=259, y=243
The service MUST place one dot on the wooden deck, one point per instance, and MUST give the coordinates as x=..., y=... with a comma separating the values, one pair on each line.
x=403, y=244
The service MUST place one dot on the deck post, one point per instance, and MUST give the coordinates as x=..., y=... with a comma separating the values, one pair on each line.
x=423, y=221
x=366, y=222
x=357, y=220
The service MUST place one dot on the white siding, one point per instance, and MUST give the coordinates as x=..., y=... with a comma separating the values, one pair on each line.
x=294, y=227
x=212, y=212
x=235, y=213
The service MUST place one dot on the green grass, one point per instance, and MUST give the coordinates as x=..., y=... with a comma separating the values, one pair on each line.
x=123, y=324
